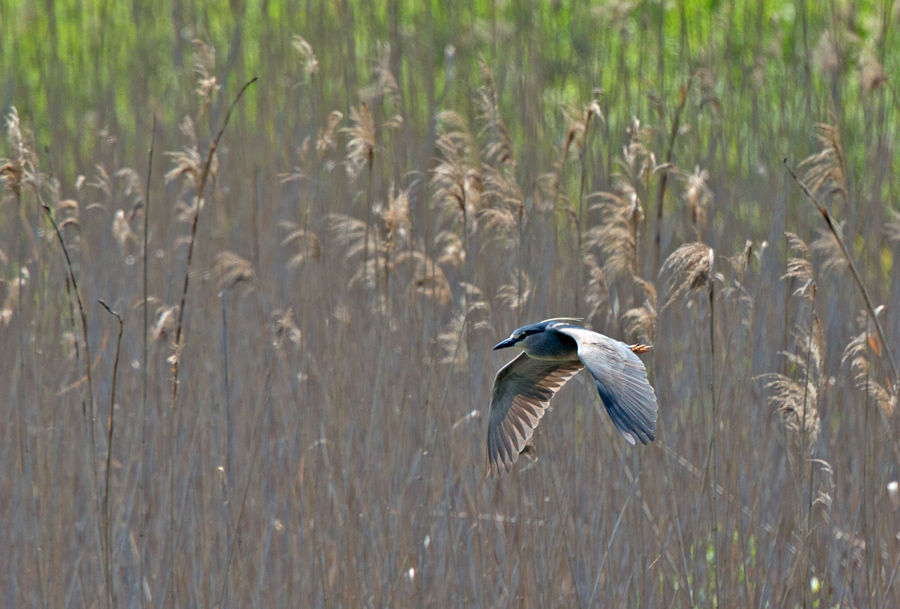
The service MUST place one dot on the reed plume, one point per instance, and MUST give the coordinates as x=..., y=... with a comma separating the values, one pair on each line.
x=204, y=57
x=304, y=241
x=471, y=316
x=827, y=169
x=231, y=270
x=857, y=354
x=688, y=268
x=361, y=139
x=457, y=181
x=698, y=197
x=796, y=401
x=640, y=322
x=428, y=277
x=307, y=55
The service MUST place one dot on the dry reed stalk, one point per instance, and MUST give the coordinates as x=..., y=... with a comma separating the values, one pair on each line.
x=795, y=418
x=457, y=180
x=812, y=367
x=360, y=240
x=257, y=443
x=12, y=302
x=15, y=172
x=110, y=594
x=835, y=230
x=499, y=147
x=190, y=167
x=457, y=188
x=621, y=213
x=661, y=193
x=145, y=361
x=624, y=216
x=201, y=185
x=578, y=131
x=397, y=229
x=690, y=268
x=714, y=449
x=505, y=209
x=88, y=409
x=361, y=151
x=798, y=402
x=592, y=110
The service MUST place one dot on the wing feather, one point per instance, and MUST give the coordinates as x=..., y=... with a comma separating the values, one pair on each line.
x=621, y=380
x=522, y=392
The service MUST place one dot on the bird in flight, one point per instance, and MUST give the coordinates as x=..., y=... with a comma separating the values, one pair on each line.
x=554, y=351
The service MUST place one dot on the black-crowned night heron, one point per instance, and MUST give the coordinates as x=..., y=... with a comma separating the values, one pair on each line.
x=554, y=351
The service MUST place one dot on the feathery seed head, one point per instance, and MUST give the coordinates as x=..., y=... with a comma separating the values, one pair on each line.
x=689, y=268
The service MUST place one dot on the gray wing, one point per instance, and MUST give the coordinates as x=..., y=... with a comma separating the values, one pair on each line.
x=621, y=380
x=522, y=392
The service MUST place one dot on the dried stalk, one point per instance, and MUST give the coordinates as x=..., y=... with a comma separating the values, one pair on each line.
x=832, y=226
x=187, y=271
x=176, y=360
x=87, y=409
x=109, y=439
x=661, y=193
x=145, y=362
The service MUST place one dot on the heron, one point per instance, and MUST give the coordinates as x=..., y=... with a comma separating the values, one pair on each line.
x=554, y=351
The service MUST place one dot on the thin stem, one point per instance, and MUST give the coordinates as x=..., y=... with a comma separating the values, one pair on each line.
x=27, y=472
x=832, y=226
x=257, y=441
x=87, y=409
x=109, y=442
x=579, y=253
x=370, y=158
x=686, y=579
x=179, y=347
x=715, y=427
x=565, y=534
x=145, y=364
x=187, y=271
x=661, y=193
x=802, y=457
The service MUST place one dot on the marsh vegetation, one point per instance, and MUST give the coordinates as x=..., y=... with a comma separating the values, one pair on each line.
x=246, y=326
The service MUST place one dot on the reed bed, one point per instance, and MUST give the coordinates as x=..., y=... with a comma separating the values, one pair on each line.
x=253, y=261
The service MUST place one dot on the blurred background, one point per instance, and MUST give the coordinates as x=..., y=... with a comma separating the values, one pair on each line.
x=311, y=270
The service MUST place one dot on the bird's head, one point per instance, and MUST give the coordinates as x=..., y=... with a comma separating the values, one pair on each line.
x=522, y=336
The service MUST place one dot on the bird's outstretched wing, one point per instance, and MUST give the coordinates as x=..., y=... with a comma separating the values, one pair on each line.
x=621, y=379
x=522, y=392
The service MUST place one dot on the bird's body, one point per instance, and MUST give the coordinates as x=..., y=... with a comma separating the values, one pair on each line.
x=554, y=351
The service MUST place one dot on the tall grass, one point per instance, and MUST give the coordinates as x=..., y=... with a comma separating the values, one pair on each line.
x=298, y=395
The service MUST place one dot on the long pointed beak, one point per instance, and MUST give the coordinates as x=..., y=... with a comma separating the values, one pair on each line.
x=509, y=342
